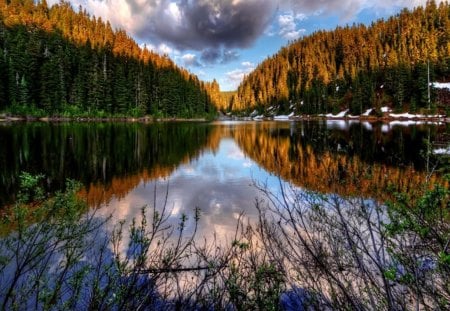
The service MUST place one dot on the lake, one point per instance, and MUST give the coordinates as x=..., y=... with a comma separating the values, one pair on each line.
x=215, y=166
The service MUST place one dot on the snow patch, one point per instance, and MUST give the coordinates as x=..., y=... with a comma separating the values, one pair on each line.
x=439, y=85
x=254, y=113
x=339, y=115
x=385, y=109
x=368, y=112
x=283, y=117
x=405, y=115
x=442, y=151
x=414, y=116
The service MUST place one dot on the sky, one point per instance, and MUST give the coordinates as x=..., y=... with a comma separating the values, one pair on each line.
x=226, y=39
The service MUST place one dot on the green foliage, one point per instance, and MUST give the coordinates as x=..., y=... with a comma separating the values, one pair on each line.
x=420, y=215
x=348, y=244
x=30, y=188
x=68, y=64
x=253, y=283
x=42, y=227
x=418, y=235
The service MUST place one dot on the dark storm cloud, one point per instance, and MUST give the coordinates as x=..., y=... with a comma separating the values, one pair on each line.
x=214, y=56
x=210, y=56
x=202, y=24
x=218, y=24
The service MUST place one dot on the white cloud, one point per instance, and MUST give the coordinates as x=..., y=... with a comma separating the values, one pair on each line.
x=288, y=25
x=201, y=73
x=248, y=64
x=235, y=77
x=190, y=60
x=165, y=49
x=188, y=57
x=174, y=13
x=293, y=35
x=161, y=48
x=301, y=17
x=346, y=10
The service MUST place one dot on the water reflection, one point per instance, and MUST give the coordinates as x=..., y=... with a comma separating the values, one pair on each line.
x=220, y=183
x=214, y=166
x=349, y=162
x=117, y=156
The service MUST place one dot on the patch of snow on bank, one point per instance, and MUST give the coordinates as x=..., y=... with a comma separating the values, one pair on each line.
x=283, y=117
x=368, y=112
x=442, y=151
x=439, y=85
x=407, y=115
x=339, y=115
x=385, y=109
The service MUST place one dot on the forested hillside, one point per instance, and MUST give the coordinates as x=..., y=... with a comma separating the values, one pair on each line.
x=357, y=67
x=58, y=61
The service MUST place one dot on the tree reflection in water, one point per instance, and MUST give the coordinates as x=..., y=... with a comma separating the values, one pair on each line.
x=314, y=240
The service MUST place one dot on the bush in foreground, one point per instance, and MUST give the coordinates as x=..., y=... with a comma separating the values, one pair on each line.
x=307, y=251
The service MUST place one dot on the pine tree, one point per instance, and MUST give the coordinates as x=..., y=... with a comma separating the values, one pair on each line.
x=60, y=59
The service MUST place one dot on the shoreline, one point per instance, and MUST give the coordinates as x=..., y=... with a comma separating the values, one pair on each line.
x=149, y=119
x=371, y=119
x=384, y=119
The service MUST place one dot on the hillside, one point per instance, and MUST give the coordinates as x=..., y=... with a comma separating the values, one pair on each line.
x=357, y=67
x=58, y=61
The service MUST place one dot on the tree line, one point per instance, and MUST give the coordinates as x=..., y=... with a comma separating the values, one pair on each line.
x=89, y=152
x=59, y=61
x=356, y=67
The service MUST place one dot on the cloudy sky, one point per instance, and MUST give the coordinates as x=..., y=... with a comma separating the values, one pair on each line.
x=225, y=39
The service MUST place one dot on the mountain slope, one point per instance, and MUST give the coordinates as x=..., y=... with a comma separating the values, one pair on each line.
x=57, y=61
x=356, y=67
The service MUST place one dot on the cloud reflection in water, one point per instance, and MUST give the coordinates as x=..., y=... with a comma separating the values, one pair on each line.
x=219, y=183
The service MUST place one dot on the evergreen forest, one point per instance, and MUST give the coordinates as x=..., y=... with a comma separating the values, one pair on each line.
x=57, y=61
x=358, y=67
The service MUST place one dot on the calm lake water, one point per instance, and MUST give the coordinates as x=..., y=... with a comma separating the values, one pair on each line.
x=214, y=166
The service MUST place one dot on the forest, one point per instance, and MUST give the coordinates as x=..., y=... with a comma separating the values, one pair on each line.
x=357, y=67
x=57, y=61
